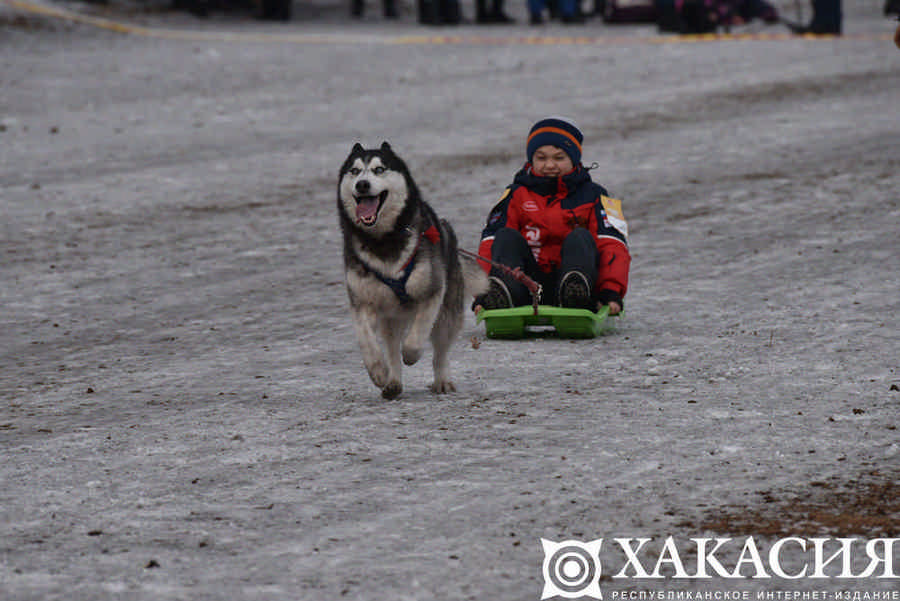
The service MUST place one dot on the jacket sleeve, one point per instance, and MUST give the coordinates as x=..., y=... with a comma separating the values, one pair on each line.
x=612, y=244
x=612, y=275
x=498, y=218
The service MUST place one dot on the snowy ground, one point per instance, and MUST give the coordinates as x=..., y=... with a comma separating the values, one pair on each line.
x=184, y=413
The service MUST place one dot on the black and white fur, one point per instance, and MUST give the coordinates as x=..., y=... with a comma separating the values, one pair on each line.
x=406, y=281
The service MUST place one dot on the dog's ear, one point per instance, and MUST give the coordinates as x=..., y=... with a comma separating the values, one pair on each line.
x=385, y=147
x=357, y=149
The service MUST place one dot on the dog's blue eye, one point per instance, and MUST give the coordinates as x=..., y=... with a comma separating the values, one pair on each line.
x=378, y=170
x=355, y=171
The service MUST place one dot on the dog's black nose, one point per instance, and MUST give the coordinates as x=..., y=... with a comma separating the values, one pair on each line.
x=363, y=186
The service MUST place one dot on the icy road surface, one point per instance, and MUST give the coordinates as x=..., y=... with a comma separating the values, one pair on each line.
x=184, y=413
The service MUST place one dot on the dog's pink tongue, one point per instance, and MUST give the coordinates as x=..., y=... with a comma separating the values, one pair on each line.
x=366, y=209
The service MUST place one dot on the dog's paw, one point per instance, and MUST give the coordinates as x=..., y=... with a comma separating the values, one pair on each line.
x=442, y=387
x=392, y=390
x=379, y=373
x=411, y=355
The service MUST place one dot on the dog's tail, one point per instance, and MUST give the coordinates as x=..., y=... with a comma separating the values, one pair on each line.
x=475, y=280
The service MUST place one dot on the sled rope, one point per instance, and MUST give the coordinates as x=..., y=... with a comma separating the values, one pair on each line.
x=517, y=274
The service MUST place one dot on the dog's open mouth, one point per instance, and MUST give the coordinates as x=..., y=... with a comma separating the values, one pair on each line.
x=367, y=207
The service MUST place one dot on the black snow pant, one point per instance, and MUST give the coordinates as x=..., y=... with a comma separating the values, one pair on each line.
x=579, y=253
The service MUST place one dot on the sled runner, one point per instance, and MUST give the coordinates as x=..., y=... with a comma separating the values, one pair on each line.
x=520, y=322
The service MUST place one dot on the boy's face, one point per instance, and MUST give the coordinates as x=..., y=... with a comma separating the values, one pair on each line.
x=551, y=161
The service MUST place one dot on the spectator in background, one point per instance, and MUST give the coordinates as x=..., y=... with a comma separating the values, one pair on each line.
x=897, y=35
x=892, y=7
x=569, y=11
x=357, y=7
x=827, y=18
x=493, y=16
x=439, y=12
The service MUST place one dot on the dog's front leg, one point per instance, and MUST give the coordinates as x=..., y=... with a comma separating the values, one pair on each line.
x=364, y=320
x=423, y=322
x=392, y=334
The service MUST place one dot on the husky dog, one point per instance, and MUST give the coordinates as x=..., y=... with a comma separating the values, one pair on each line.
x=405, y=278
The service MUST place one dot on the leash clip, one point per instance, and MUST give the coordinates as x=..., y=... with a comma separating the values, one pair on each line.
x=536, y=298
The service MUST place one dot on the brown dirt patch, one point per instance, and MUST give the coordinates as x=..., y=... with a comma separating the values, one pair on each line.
x=868, y=506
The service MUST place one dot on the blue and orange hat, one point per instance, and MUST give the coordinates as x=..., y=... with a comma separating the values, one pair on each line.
x=555, y=131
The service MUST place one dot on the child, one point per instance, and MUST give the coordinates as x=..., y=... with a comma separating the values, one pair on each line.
x=560, y=228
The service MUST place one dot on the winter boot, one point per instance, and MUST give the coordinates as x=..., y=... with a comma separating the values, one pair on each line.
x=575, y=291
x=497, y=296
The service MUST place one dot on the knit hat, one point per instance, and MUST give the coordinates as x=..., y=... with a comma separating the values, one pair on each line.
x=555, y=131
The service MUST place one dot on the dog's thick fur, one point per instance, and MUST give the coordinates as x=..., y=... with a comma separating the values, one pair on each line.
x=405, y=278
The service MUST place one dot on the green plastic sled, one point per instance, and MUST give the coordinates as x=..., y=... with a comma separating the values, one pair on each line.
x=520, y=322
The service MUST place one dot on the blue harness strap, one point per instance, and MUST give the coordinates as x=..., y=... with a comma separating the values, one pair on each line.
x=398, y=285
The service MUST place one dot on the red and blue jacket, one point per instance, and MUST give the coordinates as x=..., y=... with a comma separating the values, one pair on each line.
x=546, y=209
